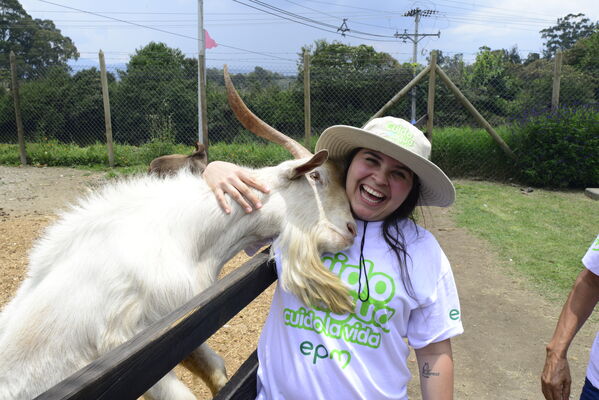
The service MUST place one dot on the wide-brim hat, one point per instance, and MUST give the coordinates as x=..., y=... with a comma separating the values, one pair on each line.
x=400, y=140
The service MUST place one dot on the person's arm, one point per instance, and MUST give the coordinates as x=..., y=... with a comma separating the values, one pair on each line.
x=223, y=177
x=435, y=364
x=555, y=380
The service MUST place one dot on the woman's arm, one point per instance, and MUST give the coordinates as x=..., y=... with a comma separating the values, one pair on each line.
x=223, y=177
x=435, y=364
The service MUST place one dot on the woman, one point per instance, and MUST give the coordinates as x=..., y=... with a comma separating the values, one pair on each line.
x=396, y=271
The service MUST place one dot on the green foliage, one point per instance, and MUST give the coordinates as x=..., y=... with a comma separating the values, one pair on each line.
x=450, y=151
x=490, y=82
x=567, y=32
x=583, y=57
x=453, y=147
x=350, y=83
x=559, y=149
x=43, y=105
x=51, y=152
x=57, y=106
x=37, y=43
x=250, y=154
x=157, y=82
x=535, y=82
x=83, y=106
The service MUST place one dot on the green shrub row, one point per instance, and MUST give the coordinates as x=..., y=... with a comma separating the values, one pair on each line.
x=559, y=148
x=554, y=150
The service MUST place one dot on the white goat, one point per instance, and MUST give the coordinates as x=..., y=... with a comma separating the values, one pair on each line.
x=134, y=251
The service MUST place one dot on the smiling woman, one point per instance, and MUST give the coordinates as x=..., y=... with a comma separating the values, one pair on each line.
x=396, y=272
x=377, y=185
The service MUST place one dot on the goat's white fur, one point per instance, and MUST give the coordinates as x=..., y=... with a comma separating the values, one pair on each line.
x=132, y=252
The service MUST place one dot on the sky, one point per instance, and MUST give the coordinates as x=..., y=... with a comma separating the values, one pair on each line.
x=271, y=33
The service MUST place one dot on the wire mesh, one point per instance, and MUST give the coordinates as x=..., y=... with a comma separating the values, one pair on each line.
x=157, y=102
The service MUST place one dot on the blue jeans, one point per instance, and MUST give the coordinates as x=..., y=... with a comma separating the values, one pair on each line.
x=589, y=392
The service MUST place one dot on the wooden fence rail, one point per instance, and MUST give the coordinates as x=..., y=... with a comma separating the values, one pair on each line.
x=130, y=369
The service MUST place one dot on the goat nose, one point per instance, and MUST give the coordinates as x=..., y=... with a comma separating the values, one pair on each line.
x=352, y=228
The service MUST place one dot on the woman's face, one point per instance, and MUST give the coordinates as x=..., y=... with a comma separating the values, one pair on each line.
x=376, y=185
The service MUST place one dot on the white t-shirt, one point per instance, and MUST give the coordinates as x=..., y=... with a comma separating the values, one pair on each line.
x=591, y=261
x=307, y=353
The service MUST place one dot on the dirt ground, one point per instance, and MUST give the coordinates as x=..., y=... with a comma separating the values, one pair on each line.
x=500, y=355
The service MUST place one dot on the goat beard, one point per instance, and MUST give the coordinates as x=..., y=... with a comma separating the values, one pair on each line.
x=305, y=275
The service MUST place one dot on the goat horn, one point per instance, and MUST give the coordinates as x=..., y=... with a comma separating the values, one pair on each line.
x=255, y=125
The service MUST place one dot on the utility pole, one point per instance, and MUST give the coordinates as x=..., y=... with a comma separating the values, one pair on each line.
x=415, y=37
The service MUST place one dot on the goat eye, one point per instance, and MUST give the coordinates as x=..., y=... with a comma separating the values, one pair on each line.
x=315, y=175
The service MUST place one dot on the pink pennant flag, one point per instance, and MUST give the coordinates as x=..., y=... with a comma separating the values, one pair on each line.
x=209, y=42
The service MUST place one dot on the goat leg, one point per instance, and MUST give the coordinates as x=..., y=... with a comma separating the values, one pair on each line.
x=209, y=366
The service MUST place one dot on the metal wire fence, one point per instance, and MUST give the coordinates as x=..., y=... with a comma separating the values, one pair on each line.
x=157, y=103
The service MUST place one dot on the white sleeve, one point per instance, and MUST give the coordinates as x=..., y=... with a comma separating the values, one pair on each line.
x=440, y=319
x=591, y=258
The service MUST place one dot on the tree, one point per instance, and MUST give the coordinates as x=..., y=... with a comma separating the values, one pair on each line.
x=157, y=97
x=350, y=83
x=83, y=107
x=532, y=57
x=566, y=33
x=37, y=43
x=452, y=65
x=490, y=82
x=535, y=83
x=583, y=56
x=43, y=105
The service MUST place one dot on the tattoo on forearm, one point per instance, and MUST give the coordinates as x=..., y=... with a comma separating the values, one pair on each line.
x=426, y=371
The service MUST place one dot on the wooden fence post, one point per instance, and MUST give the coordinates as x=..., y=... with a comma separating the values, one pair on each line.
x=401, y=93
x=307, y=110
x=479, y=118
x=557, y=73
x=17, y=102
x=430, y=104
x=107, y=119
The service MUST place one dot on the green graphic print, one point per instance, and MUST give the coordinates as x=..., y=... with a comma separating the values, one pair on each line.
x=369, y=320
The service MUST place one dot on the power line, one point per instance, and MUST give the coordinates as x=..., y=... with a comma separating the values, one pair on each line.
x=314, y=24
x=483, y=17
x=155, y=29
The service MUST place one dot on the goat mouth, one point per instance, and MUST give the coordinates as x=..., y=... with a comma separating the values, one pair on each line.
x=371, y=196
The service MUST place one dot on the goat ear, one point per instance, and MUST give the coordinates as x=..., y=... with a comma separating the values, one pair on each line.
x=316, y=161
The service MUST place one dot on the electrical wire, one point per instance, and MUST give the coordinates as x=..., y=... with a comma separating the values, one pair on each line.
x=316, y=27
x=156, y=29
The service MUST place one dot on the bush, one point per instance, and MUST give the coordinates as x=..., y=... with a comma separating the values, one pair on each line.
x=559, y=149
x=472, y=153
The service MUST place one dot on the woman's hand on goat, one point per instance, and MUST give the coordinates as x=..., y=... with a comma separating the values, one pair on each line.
x=223, y=177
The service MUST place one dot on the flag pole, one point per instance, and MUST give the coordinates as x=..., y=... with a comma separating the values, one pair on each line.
x=202, y=124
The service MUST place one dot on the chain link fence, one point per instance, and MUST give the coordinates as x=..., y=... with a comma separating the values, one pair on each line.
x=156, y=102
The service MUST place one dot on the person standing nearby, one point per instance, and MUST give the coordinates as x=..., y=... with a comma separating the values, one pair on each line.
x=556, y=379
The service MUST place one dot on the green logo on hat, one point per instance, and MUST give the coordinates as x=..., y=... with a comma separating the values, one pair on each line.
x=399, y=135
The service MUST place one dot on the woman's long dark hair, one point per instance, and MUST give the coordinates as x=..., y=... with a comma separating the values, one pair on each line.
x=394, y=235
x=392, y=232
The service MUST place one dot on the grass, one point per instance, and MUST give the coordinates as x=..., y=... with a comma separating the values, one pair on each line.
x=132, y=159
x=542, y=234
